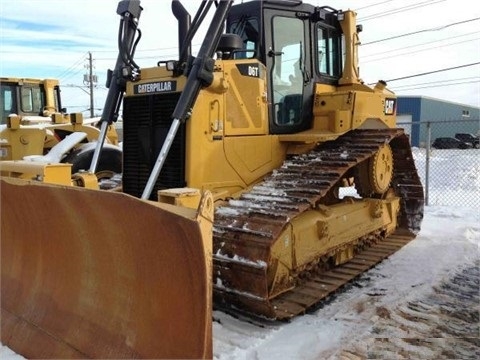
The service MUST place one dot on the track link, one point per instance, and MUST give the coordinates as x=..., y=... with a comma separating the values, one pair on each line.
x=308, y=294
x=246, y=228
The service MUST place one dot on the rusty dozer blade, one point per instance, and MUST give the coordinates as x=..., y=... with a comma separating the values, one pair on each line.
x=96, y=274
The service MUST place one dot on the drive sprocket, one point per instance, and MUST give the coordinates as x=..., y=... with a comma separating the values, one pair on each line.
x=373, y=178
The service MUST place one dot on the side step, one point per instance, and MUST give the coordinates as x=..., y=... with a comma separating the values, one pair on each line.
x=312, y=291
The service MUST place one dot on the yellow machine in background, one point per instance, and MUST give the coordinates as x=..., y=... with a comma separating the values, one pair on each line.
x=270, y=128
x=33, y=122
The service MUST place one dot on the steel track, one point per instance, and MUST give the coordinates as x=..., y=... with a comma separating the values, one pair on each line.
x=245, y=229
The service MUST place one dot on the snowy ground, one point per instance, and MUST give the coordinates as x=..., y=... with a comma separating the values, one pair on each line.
x=421, y=303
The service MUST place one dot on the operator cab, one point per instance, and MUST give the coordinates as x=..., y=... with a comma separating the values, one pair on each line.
x=23, y=98
x=300, y=44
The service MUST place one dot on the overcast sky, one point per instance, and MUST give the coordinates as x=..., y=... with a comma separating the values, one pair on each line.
x=52, y=38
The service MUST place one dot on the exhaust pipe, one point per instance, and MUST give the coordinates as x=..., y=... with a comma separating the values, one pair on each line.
x=184, y=21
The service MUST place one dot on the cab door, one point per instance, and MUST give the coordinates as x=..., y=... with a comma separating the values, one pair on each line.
x=288, y=61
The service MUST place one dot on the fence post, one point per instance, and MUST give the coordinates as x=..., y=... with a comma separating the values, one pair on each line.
x=427, y=160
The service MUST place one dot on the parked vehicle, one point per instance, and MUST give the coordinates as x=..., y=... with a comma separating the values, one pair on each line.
x=469, y=138
x=450, y=143
x=34, y=123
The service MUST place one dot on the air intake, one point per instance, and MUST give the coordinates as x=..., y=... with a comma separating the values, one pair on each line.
x=146, y=121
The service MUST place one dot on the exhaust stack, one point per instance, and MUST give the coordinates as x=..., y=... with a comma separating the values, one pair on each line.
x=184, y=21
x=351, y=73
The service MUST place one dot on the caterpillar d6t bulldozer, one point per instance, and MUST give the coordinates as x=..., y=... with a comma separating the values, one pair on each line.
x=33, y=123
x=270, y=132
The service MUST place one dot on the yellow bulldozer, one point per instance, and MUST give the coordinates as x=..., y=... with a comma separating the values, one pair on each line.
x=35, y=126
x=259, y=176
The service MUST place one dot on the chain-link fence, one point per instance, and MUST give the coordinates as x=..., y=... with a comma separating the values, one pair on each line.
x=447, y=156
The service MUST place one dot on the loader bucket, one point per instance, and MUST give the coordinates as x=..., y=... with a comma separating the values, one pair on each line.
x=97, y=274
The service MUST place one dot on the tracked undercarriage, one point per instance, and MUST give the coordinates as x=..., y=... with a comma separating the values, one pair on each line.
x=291, y=241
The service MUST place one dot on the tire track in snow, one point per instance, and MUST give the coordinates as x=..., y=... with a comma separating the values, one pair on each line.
x=443, y=325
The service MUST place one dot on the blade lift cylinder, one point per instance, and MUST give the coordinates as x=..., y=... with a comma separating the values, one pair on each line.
x=130, y=11
x=200, y=75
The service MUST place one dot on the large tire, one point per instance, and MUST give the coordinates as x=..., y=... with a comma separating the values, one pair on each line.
x=81, y=158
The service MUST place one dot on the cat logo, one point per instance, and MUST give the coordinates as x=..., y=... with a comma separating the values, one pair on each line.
x=155, y=87
x=390, y=106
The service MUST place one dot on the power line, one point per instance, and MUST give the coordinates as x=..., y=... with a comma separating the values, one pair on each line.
x=431, y=72
x=159, y=57
x=368, y=6
x=421, y=44
x=71, y=67
x=421, y=31
x=402, y=9
x=138, y=50
x=420, y=50
x=145, y=50
x=437, y=86
x=71, y=74
x=469, y=79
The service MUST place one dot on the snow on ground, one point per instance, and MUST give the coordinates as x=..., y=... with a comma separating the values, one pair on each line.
x=421, y=303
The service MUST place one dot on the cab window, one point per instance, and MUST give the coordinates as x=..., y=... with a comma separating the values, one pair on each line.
x=32, y=100
x=329, y=56
x=287, y=71
x=7, y=102
x=247, y=29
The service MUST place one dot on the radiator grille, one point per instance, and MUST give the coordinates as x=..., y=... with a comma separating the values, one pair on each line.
x=146, y=121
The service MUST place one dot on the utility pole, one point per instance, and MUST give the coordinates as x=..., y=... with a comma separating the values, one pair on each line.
x=91, y=80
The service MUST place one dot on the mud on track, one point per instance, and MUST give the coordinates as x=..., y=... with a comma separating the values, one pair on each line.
x=443, y=325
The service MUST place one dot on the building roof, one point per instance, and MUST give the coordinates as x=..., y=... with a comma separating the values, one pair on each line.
x=422, y=97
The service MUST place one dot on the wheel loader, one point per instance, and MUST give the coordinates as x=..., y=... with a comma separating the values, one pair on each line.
x=33, y=123
x=260, y=176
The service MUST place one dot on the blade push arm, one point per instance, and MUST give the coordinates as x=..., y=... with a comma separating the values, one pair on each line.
x=125, y=68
